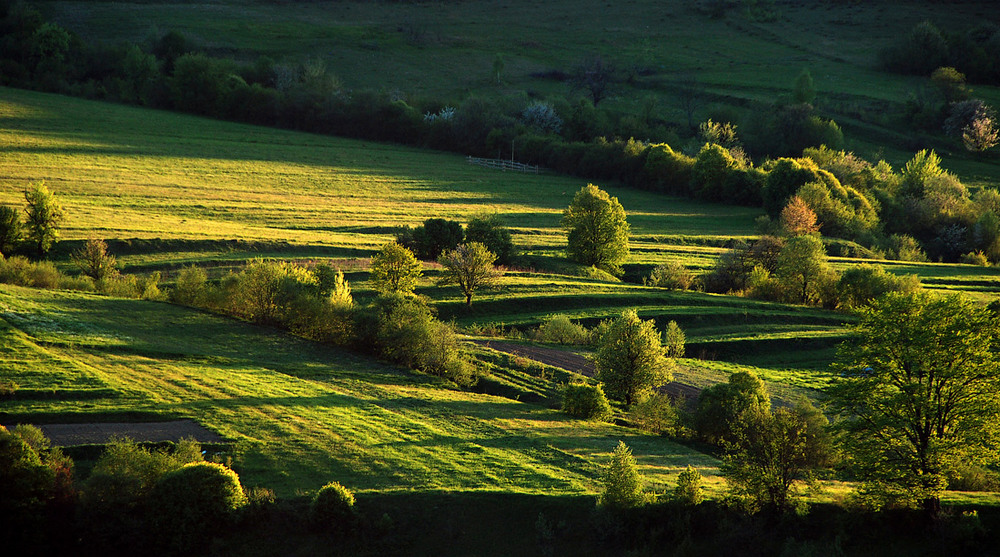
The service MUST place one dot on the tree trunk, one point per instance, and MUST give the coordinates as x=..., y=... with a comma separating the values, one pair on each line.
x=468, y=300
x=932, y=507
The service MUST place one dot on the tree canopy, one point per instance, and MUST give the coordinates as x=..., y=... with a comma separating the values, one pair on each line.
x=630, y=358
x=918, y=394
x=597, y=229
x=44, y=214
x=470, y=266
x=394, y=270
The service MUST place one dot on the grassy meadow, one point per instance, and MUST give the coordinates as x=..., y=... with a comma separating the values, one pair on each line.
x=445, y=51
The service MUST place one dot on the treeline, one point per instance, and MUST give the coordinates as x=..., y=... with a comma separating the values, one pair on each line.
x=974, y=52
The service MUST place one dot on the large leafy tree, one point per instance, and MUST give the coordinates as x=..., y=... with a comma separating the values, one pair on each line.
x=918, y=394
x=802, y=265
x=470, y=266
x=622, y=482
x=597, y=229
x=630, y=358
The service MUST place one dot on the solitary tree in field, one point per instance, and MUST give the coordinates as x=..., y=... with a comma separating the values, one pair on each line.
x=94, y=260
x=622, y=482
x=394, y=270
x=597, y=229
x=630, y=360
x=804, y=90
x=596, y=76
x=470, y=266
x=44, y=214
x=918, y=393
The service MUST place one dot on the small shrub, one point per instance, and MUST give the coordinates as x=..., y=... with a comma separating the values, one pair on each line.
x=689, y=490
x=976, y=258
x=559, y=329
x=587, y=402
x=332, y=509
x=94, y=260
x=673, y=340
x=657, y=414
x=190, y=287
x=44, y=274
x=16, y=270
x=672, y=276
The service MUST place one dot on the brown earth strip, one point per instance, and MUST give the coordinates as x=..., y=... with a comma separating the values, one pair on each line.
x=579, y=364
x=69, y=435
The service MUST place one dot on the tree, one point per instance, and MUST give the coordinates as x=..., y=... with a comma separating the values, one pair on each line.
x=10, y=229
x=802, y=264
x=770, y=451
x=44, y=214
x=394, y=270
x=622, y=483
x=435, y=236
x=804, y=91
x=94, y=260
x=629, y=358
x=470, y=266
x=797, y=218
x=689, y=489
x=722, y=407
x=490, y=231
x=982, y=134
x=917, y=394
x=596, y=76
x=597, y=232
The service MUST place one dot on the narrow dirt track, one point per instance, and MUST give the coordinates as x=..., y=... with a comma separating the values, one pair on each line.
x=579, y=364
x=69, y=435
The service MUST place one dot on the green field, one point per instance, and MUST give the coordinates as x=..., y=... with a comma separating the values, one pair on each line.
x=301, y=413
x=445, y=51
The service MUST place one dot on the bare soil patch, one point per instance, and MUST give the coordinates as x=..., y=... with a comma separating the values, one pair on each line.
x=69, y=435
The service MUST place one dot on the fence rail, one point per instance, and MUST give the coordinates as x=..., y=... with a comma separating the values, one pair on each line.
x=504, y=165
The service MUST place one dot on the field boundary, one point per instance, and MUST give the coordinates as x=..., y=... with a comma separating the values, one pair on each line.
x=71, y=435
x=502, y=164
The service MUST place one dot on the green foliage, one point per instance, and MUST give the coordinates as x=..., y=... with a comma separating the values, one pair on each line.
x=711, y=170
x=667, y=170
x=597, y=229
x=561, y=330
x=433, y=238
x=25, y=481
x=924, y=165
x=264, y=289
x=490, y=230
x=332, y=509
x=689, y=490
x=862, y=284
x=673, y=340
x=11, y=229
x=394, y=270
x=804, y=90
x=125, y=474
x=672, y=276
x=771, y=450
x=658, y=414
x=629, y=358
x=622, y=482
x=803, y=267
x=408, y=334
x=917, y=394
x=94, y=261
x=587, y=402
x=191, y=287
x=195, y=502
x=44, y=215
x=723, y=407
x=470, y=266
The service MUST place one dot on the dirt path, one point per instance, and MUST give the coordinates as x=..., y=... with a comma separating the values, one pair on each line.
x=68, y=435
x=578, y=364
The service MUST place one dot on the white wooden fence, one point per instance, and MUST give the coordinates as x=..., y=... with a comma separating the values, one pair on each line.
x=504, y=165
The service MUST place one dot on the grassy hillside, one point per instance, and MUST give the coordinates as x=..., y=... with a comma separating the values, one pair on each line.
x=129, y=173
x=445, y=51
x=301, y=414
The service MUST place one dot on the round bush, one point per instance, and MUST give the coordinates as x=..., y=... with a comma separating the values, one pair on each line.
x=333, y=508
x=586, y=401
x=192, y=502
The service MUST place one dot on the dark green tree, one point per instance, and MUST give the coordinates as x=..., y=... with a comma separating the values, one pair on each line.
x=597, y=232
x=44, y=214
x=917, y=394
x=11, y=229
x=490, y=231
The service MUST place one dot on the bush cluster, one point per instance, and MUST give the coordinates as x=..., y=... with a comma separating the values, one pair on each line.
x=587, y=402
